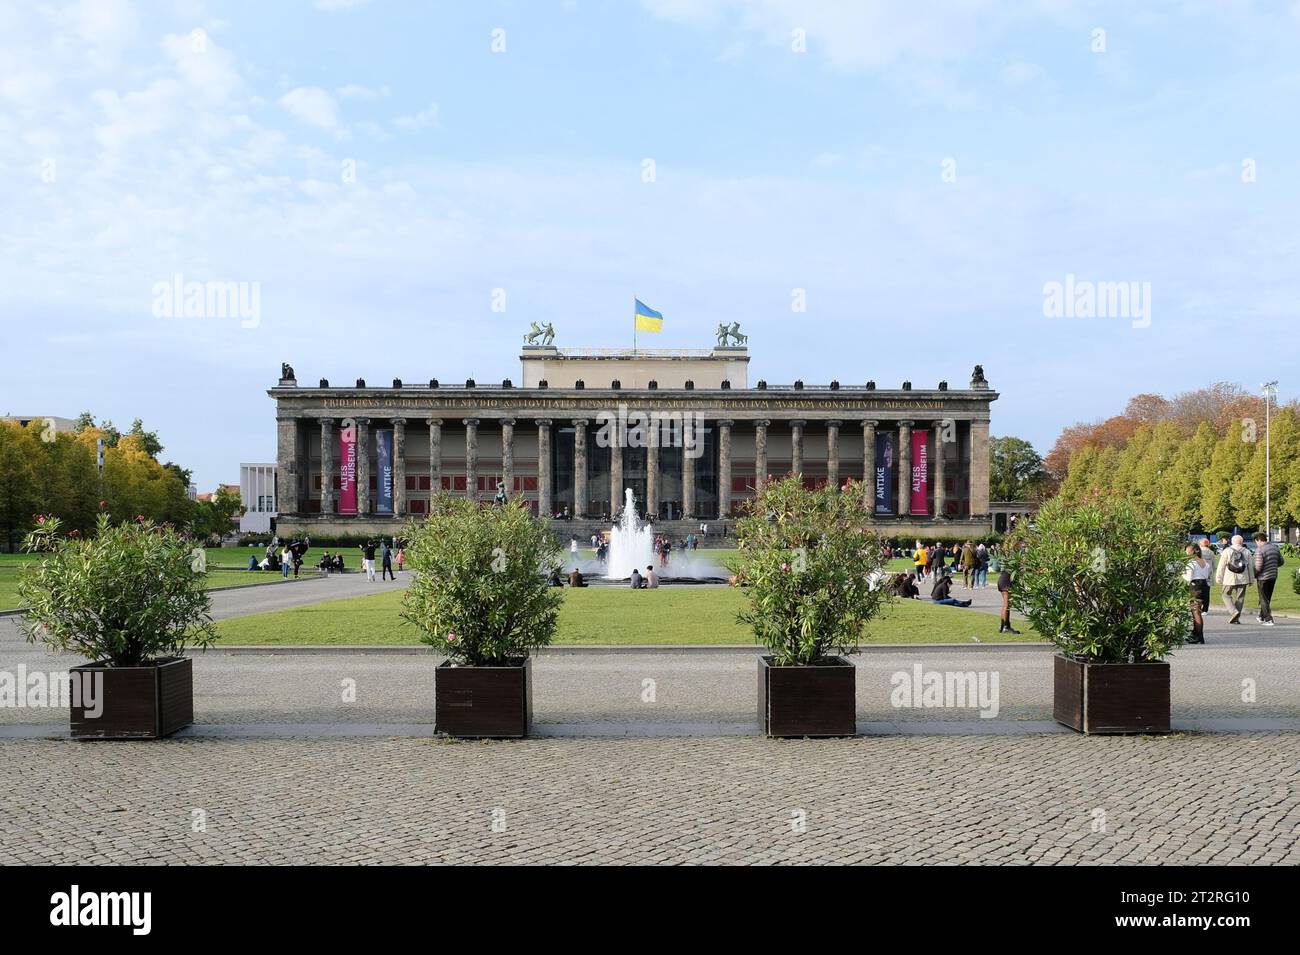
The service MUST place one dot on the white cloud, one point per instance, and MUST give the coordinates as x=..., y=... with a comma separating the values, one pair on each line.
x=313, y=106
x=354, y=91
x=424, y=118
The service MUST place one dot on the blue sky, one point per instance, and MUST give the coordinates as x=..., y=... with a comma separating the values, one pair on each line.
x=919, y=170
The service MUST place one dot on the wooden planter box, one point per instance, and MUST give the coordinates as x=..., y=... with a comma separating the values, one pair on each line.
x=483, y=701
x=145, y=702
x=818, y=700
x=1111, y=697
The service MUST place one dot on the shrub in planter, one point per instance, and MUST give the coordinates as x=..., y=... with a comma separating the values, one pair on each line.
x=481, y=594
x=131, y=599
x=1102, y=579
x=809, y=570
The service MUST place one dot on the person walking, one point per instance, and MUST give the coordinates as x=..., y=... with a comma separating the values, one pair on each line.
x=388, y=564
x=368, y=559
x=981, y=578
x=1197, y=575
x=920, y=559
x=573, y=547
x=967, y=563
x=1004, y=588
x=286, y=558
x=1236, y=572
x=401, y=558
x=1268, y=559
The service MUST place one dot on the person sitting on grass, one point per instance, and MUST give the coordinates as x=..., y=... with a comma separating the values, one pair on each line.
x=905, y=586
x=651, y=578
x=636, y=581
x=252, y=562
x=575, y=579
x=940, y=593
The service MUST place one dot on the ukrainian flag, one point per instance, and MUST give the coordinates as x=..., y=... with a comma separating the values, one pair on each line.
x=647, y=319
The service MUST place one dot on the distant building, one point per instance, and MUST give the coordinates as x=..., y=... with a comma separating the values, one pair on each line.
x=683, y=430
x=52, y=423
x=257, y=491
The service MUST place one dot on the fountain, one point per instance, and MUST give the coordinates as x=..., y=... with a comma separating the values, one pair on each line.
x=631, y=544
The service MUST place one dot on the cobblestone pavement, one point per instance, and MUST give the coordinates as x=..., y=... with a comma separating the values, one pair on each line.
x=1067, y=799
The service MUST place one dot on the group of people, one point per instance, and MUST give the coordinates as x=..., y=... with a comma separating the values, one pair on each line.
x=387, y=552
x=933, y=562
x=281, y=557
x=1236, y=570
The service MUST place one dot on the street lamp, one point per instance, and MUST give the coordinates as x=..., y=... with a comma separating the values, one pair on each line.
x=1269, y=388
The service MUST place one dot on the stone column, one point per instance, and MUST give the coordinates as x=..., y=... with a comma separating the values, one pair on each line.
x=652, y=472
x=615, y=474
x=508, y=454
x=937, y=449
x=979, y=468
x=399, y=467
x=579, y=467
x=689, y=437
x=869, y=465
x=904, y=506
x=327, y=465
x=796, y=448
x=435, y=455
x=724, y=469
x=288, y=450
x=760, y=454
x=833, y=454
x=471, y=457
x=545, y=502
x=363, y=467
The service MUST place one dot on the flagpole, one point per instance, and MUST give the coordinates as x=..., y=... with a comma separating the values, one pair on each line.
x=634, y=325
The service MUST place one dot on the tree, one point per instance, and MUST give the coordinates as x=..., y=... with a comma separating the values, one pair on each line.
x=1228, y=463
x=149, y=442
x=216, y=516
x=1182, y=482
x=20, y=497
x=1016, y=470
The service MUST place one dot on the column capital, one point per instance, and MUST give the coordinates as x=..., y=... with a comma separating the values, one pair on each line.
x=723, y=422
x=870, y=422
x=433, y=422
x=905, y=422
x=834, y=423
x=581, y=422
x=507, y=421
x=763, y=422
x=797, y=423
x=326, y=421
x=401, y=421
x=542, y=422
x=469, y=422
x=362, y=420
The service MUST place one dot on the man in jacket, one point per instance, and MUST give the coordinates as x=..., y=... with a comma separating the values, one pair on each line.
x=1268, y=558
x=1236, y=573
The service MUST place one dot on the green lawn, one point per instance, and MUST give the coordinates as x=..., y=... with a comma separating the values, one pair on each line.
x=217, y=580
x=604, y=615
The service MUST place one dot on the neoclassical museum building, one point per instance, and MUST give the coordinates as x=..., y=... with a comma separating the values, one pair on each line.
x=685, y=430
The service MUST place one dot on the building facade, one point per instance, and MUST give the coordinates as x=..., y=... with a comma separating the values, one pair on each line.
x=684, y=430
x=257, y=490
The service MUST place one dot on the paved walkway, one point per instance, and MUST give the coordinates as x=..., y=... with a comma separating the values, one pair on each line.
x=1054, y=799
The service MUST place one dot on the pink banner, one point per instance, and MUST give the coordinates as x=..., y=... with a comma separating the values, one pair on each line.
x=920, y=471
x=348, y=470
